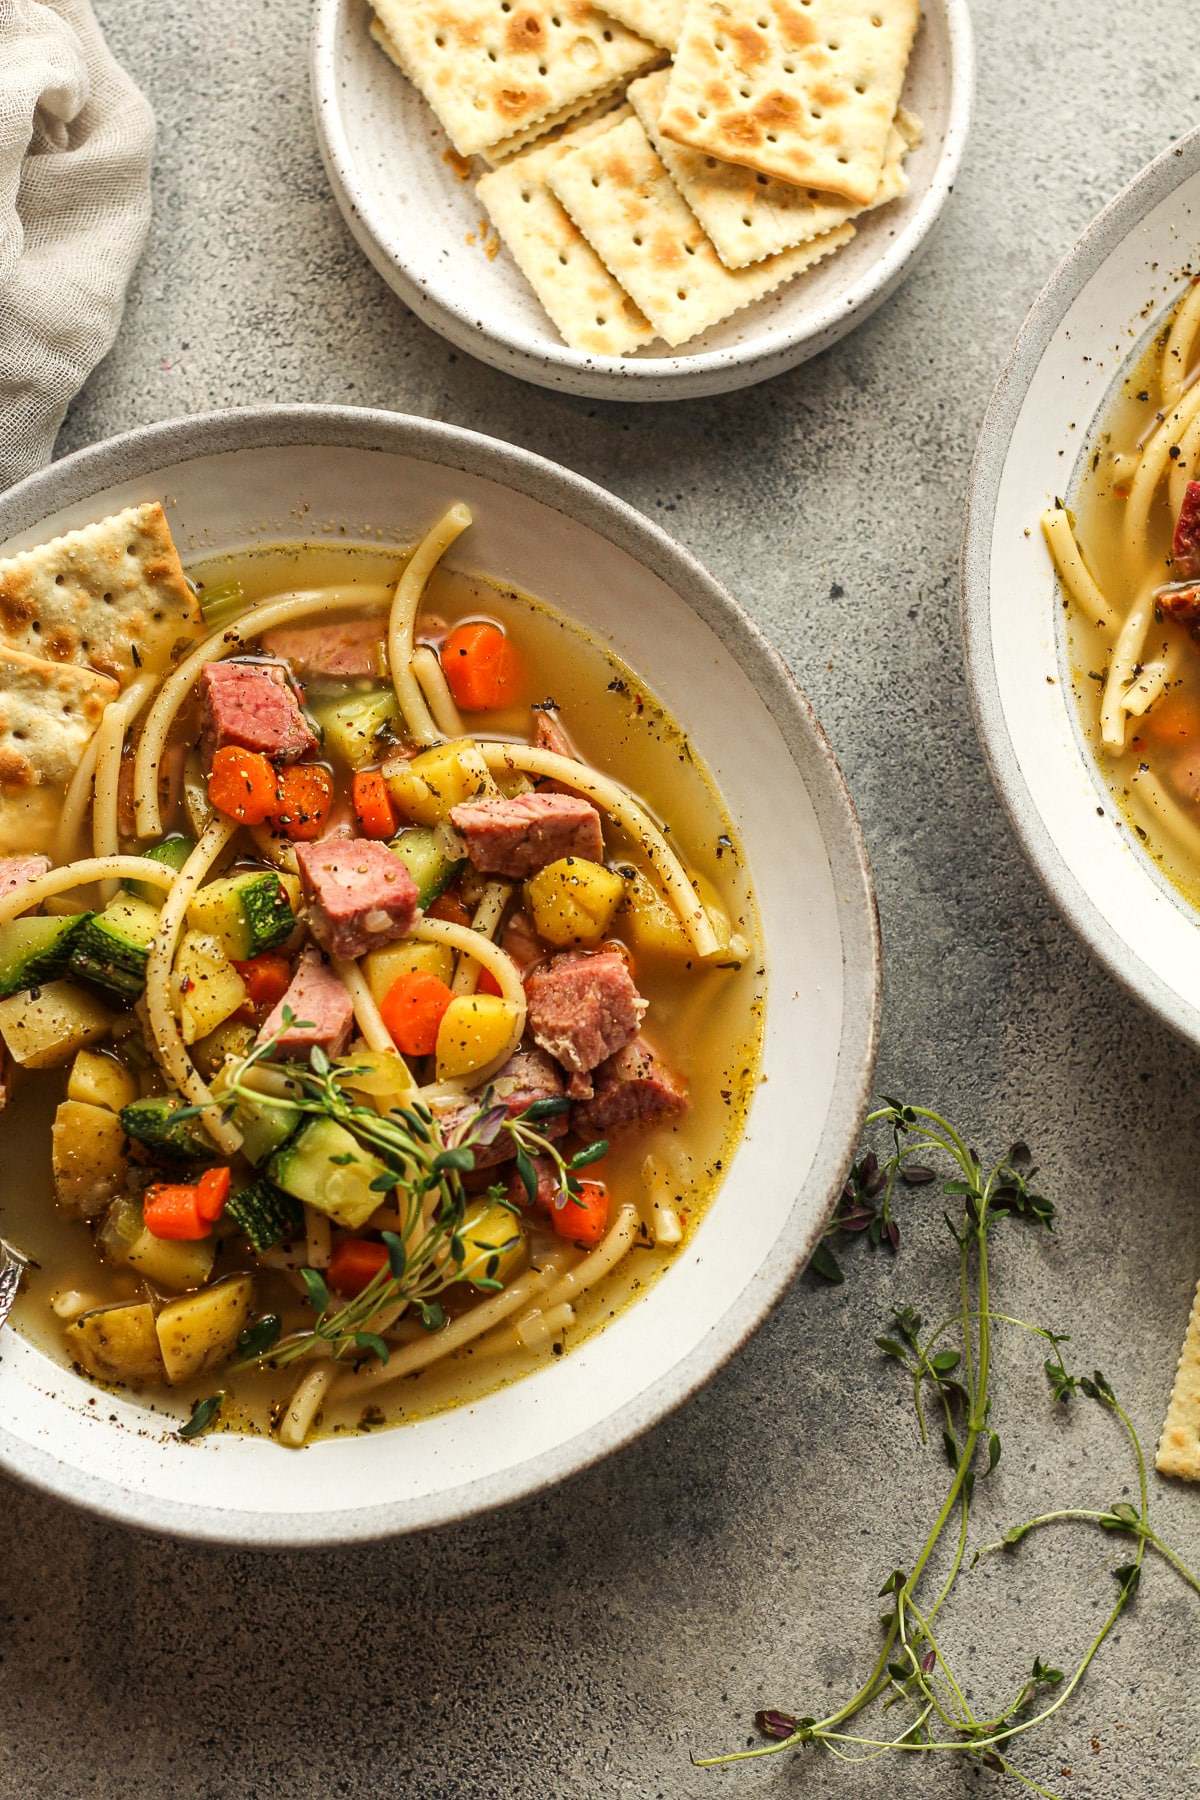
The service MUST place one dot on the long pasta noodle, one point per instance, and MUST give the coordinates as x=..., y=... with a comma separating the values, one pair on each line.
x=618, y=1240
x=401, y=621
x=274, y=848
x=1073, y=572
x=497, y=962
x=304, y=1405
x=367, y=1015
x=1156, y=457
x=1179, y=350
x=488, y=915
x=168, y=1045
x=1122, y=669
x=219, y=644
x=622, y=807
x=109, y=750
x=81, y=874
x=436, y=689
x=1183, y=467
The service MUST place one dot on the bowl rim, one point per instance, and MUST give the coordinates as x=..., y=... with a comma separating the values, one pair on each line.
x=137, y=454
x=1154, y=183
x=669, y=377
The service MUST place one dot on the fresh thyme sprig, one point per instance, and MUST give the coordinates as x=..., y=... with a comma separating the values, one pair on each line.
x=951, y=1366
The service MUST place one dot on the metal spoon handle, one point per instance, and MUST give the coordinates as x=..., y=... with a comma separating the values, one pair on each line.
x=12, y=1266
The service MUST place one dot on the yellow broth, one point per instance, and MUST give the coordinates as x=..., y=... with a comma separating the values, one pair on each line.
x=706, y=1022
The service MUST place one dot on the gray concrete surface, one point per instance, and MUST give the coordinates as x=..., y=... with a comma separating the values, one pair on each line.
x=586, y=1642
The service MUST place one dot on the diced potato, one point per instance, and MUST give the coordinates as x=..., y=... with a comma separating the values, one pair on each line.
x=381, y=1075
x=649, y=921
x=198, y=1332
x=207, y=986
x=45, y=1032
x=474, y=1030
x=174, y=1264
x=427, y=787
x=232, y=1038
x=101, y=1080
x=494, y=1244
x=118, y=1343
x=87, y=1145
x=572, y=901
x=383, y=967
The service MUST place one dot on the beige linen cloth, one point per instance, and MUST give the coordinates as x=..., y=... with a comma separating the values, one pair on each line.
x=76, y=139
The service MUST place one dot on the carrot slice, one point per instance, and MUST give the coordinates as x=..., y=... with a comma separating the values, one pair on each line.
x=584, y=1218
x=305, y=797
x=212, y=1191
x=373, y=804
x=174, y=1212
x=412, y=1010
x=267, y=979
x=355, y=1264
x=482, y=667
x=449, y=907
x=243, y=785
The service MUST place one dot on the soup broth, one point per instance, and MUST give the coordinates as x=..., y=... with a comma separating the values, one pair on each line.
x=703, y=1017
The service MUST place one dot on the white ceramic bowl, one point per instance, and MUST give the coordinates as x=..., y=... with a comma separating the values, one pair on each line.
x=1092, y=321
x=420, y=225
x=279, y=474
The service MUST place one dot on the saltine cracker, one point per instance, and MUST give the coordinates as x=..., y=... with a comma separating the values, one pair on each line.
x=1179, y=1445
x=111, y=596
x=48, y=715
x=659, y=20
x=805, y=90
x=591, y=310
x=748, y=215
x=493, y=69
x=622, y=199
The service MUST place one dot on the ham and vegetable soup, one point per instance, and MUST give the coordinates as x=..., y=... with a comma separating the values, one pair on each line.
x=1129, y=558
x=380, y=995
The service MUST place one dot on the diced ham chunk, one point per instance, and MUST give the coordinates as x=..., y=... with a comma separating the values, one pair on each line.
x=1182, y=605
x=633, y=1090
x=527, y=1076
x=1185, y=550
x=518, y=837
x=16, y=871
x=359, y=894
x=253, y=705
x=583, y=1008
x=354, y=648
x=321, y=1010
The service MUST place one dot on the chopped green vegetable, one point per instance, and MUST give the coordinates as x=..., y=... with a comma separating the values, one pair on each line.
x=422, y=850
x=153, y=1123
x=246, y=913
x=265, y=1126
x=112, y=948
x=173, y=852
x=265, y=1215
x=351, y=727
x=327, y=1168
x=37, y=950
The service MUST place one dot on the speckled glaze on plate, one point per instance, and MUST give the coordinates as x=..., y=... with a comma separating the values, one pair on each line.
x=419, y=223
x=1090, y=323
x=279, y=474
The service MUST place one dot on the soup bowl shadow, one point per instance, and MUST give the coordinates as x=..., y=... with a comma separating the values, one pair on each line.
x=238, y=480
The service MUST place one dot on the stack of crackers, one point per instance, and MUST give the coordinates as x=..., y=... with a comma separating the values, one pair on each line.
x=656, y=165
x=80, y=618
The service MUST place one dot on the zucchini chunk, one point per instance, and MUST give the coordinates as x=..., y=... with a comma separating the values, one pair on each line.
x=47, y=1025
x=153, y=1123
x=246, y=913
x=422, y=849
x=328, y=1169
x=112, y=948
x=37, y=950
x=87, y=1150
x=265, y=1215
x=200, y=1331
x=264, y=1125
x=118, y=1344
x=357, y=727
x=173, y=852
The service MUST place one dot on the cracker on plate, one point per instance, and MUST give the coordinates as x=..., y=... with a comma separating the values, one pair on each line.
x=659, y=20
x=626, y=205
x=492, y=69
x=802, y=89
x=1179, y=1445
x=48, y=715
x=111, y=596
x=592, y=312
x=748, y=215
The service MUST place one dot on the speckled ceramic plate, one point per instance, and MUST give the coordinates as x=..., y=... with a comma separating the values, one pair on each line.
x=285, y=473
x=1090, y=324
x=419, y=223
